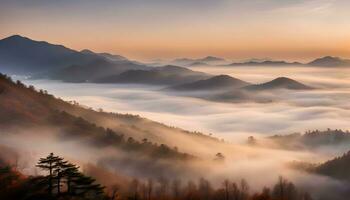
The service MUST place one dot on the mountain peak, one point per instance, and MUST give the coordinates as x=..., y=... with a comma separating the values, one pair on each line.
x=87, y=51
x=210, y=59
x=280, y=83
x=14, y=37
x=283, y=79
x=214, y=83
x=330, y=61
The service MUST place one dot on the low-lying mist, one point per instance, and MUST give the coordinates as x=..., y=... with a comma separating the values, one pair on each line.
x=293, y=111
x=259, y=166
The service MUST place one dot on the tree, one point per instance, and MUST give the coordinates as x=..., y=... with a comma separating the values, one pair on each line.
x=244, y=187
x=71, y=172
x=114, y=192
x=219, y=157
x=176, y=184
x=49, y=163
x=59, y=171
x=76, y=182
x=83, y=185
x=149, y=189
x=226, y=187
x=251, y=141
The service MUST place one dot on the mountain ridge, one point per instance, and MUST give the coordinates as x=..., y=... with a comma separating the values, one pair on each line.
x=214, y=83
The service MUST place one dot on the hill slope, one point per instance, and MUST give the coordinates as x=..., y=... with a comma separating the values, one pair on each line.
x=336, y=168
x=215, y=83
x=279, y=83
x=23, y=55
x=166, y=75
x=329, y=61
x=265, y=63
x=22, y=105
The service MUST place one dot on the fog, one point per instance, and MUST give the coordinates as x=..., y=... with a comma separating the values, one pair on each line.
x=293, y=111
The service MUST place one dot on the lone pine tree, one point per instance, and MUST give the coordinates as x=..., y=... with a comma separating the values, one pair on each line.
x=50, y=163
x=63, y=172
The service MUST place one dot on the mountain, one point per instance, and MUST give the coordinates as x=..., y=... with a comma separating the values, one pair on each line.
x=215, y=83
x=20, y=104
x=195, y=64
x=25, y=56
x=92, y=71
x=279, y=83
x=329, y=61
x=211, y=59
x=108, y=56
x=312, y=139
x=337, y=168
x=205, y=60
x=265, y=63
x=21, y=55
x=166, y=75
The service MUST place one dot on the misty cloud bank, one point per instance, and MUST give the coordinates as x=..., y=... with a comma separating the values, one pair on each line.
x=294, y=111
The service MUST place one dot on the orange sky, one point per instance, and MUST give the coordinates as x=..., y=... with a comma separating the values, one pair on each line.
x=293, y=29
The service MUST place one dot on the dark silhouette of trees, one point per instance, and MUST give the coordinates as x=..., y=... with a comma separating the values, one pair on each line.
x=219, y=157
x=15, y=186
x=50, y=163
x=61, y=171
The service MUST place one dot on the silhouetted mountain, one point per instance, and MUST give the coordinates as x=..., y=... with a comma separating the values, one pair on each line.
x=21, y=105
x=108, y=56
x=195, y=64
x=210, y=59
x=92, y=71
x=22, y=55
x=215, y=83
x=25, y=56
x=205, y=60
x=24, y=107
x=312, y=139
x=265, y=63
x=166, y=75
x=330, y=61
x=279, y=83
x=336, y=168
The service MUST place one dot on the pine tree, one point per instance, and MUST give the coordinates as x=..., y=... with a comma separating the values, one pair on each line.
x=50, y=163
x=70, y=172
x=60, y=167
x=82, y=185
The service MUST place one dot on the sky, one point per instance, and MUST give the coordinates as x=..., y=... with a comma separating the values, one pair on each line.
x=152, y=29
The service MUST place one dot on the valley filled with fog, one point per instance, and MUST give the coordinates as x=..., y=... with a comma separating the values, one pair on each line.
x=324, y=107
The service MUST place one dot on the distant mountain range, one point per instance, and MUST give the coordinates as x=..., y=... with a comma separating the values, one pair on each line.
x=215, y=83
x=264, y=63
x=312, y=139
x=194, y=62
x=166, y=75
x=279, y=83
x=222, y=82
x=91, y=71
x=229, y=89
x=330, y=61
x=327, y=61
x=22, y=55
